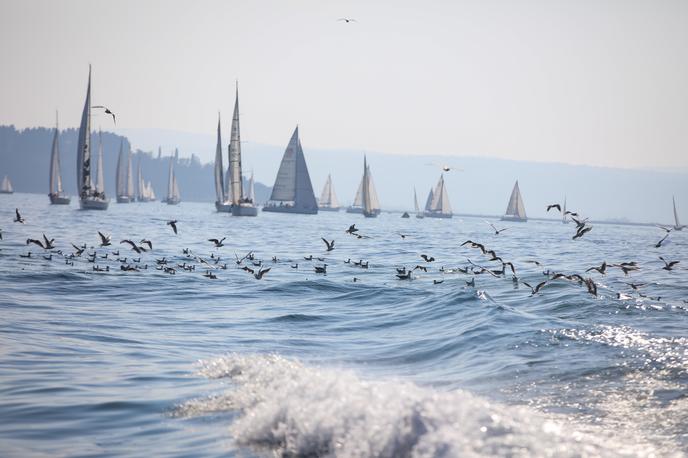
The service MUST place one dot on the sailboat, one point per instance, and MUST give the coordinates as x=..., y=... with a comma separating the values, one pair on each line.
x=515, y=211
x=328, y=199
x=222, y=203
x=90, y=198
x=371, y=206
x=125, y=181
x=564, y=218
x=293, y=191
x=173, y=196
x=56, y=194
x=439, y=205
x=242, y=205
x=6, y=186
x=428, y=201
x=366, y=181
x=251, y=194
x=677, y=225
x=419, y=214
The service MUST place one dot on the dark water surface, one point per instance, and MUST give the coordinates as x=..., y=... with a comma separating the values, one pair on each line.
x=298, y=363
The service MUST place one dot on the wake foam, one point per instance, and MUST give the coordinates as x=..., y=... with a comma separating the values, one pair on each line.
x=297, y=410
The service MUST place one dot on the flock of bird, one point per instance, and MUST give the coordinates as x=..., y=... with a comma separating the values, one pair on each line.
x=188, y=261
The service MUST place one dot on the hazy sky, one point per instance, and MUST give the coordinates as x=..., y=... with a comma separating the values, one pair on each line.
x=587, y=82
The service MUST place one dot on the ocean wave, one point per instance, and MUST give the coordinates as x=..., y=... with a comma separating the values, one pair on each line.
x=288, y=408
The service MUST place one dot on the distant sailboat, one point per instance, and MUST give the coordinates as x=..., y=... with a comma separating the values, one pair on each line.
x=90, y=198
x=515, y=211
x=419, y=214
x=222, y=202
x=564, y=218
x=145, y=192
x=56, y=194
x=677, y=225
x=366, y=182
x=125, y=179
x=428, y=201
x=6, y=187
x=100, y=179
x=439, y=205
x=328, y=199
x=293, y=191
x=251, y=194
x=371, y=206
x=242, y=205
x=173, y=196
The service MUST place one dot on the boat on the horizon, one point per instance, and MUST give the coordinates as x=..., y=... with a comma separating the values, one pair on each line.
x=677, y=225
x=419, y=214
x=145, y=191
x=439, y=204
x=242, y=204
x=564, y=218
x=91, y=197
x=56, y=194
x=366, y=183
x=222, y=203
x=125, y=179
x=371, y=206
x=293, y=191
x=173, y=195
x=515, y=211
x=6, y=186
x=328, y=198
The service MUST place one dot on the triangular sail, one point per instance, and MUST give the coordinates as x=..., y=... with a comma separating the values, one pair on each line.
x=284, y=189
x=328, y=198
x=440, y=198
x=100, y=180
x=367, y=200
x=6, y=185
x=55, y=176
x=251, y=194
x=415, y=201
x=121, y=171
x=675, y=212
x=175, y=188
x=374, y=201
x=83, y=153
x=428, y=202
x=235, y=155
x=170, y=180
x=141, y=186
x=130, y=176
x=219, y=179
x=305, y=197
x=516, y=207
x=358, y=200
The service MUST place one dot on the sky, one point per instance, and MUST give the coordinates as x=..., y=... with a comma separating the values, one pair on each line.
x=601, y=83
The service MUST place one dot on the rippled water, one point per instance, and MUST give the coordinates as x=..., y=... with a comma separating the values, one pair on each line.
x=299, y=363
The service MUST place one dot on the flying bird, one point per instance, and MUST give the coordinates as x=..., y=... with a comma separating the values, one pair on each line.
x=537, y=288
x=107, y=111
x=557, y=206
x=427, y=258
x=346, y=19
x=173, y=224
x=352, y=229
x=581, y=232
x=497, y=231
x=104, y=239
x=330, y=245
x=262, y=272
x=19, y=218
x=218, y=243
x=601, y=269
x=668, y=265
x=659, y=244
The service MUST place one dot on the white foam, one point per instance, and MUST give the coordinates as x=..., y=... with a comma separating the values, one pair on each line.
x=294, y=409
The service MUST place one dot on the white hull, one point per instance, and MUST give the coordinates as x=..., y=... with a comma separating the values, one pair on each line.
x=94, y=204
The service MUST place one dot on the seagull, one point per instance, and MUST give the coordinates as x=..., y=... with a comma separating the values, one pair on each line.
x=107, y=111
x=497, y=231
x=427, y=258
x=262, y=272
x=352, y=229
x=173, y=223
x=581, y=232
x=104, y=239
x=218, y=243
x=444, y=167
x=579, y=223
x=37, y=242
x=557, y=206
x=424, y=269
x=659, y=244
x=147, y=242
x=19, y=218
x=635, y=286
x=346, y=19
x=330, y=245
x=133, y=246
x=537, y=287
x=78, y=250
x=437, y=282
x=602, y=269
x=592, y=287
x=320, y=269
x=668, y=265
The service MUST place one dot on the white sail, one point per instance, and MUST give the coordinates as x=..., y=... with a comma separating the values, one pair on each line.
x=440, y=199
x=175, y=188
x=516, y=208
x=358, y=200
x=6, y=185
x=219, y=179
x=367, y=200
x=251, y=194
x=284, y=189
x=677, y=224
x=83, y=153
x=140, y=185
x=100, y=180
x=328, y=198
x=374, y=201
x=564, y=218
x=415, y=201
x=55, y=175
x=121, y=172
x=235, y=156
x=130, y=176
x=170, y=180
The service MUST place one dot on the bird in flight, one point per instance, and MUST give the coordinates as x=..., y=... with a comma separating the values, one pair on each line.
x=330, y=245
x=346, y=19
x=19, y=218
x=107, y=111
x=104, y=239
x=497, y=231
x=173, y=224
x=557, y=206
x=445, y=167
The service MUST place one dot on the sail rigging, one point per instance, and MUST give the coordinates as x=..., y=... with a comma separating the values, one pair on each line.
x=219, y=178
x=83, y=162
x=328, y=198
x=428, y=202
x=439, y=204
x=236, y=181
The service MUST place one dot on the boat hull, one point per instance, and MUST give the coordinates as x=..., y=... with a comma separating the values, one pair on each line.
x=244, y=210
x=405, y=215
x=223, y=208
x=59, y=200
x=94, y=204
x=514, y=219
x=287, y=209
x=171, y=201
x=359, y=210
x=6, y=192
x=328, y=209
x=438, y=215
x=123, y=199
x=420, y=216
